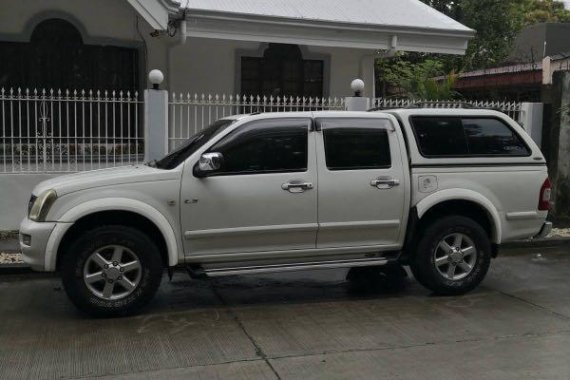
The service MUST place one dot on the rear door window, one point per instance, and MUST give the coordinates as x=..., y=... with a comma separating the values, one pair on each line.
x=356, y=144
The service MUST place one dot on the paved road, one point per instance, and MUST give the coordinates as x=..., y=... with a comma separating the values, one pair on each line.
x=302, y=326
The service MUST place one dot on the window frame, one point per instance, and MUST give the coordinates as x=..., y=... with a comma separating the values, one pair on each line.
x=461, y=118
x=386, y=130
x=299, y=120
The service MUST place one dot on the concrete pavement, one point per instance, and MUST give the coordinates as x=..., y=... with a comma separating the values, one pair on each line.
x=309, y=325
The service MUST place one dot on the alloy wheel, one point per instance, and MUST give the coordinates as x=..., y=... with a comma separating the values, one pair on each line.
x=112, y=272
x=455, y=256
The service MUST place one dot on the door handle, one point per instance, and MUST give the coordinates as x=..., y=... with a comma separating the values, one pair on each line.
x=385, y=183
x=297, y=186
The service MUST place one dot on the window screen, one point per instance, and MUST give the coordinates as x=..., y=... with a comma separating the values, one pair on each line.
x=265, y=147
x=454, y=136
x=356, y=148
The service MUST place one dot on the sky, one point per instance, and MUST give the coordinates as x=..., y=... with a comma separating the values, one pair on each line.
x=567, y=2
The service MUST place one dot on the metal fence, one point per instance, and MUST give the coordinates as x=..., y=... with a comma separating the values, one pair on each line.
x=68, y=131
x=190, y=113
x=513, y=109
x=51, y=131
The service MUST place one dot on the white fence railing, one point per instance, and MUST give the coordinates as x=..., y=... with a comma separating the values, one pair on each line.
x=68, y=131
x=513, y=109
x=190, y=113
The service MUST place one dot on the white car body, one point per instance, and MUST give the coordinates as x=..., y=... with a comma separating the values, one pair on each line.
x=248, y=223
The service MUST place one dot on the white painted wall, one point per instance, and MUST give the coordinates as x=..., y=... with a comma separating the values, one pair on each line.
x=205, y=65
x=209, y=66
x=101, y=18
x=15, y=191
x=201, y=65
x=347, y=65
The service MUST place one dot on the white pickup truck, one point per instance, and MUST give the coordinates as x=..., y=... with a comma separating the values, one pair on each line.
x=436, y=189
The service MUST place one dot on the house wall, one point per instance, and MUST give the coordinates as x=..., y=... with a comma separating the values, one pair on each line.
x=188, y=67
x=100, y=22
x=191, y=66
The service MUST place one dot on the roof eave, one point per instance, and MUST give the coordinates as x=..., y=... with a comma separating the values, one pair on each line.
x=325, y=33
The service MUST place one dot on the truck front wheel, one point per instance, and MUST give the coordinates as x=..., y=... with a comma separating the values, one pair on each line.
x=453, y=256
x=111, y=271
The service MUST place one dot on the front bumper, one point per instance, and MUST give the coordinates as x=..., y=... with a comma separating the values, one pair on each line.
x=34, y=237
x=544, y=231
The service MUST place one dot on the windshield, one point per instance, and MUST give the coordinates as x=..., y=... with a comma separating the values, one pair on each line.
x=194, y=143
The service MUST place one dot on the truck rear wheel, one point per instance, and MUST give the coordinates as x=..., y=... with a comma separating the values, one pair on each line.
x=111, y=271
x=453, y=256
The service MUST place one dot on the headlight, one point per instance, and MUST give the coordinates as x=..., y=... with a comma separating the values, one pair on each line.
x=41, y=206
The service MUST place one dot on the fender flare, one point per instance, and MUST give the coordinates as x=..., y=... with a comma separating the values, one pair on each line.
x=463, y=195
x=111, y=204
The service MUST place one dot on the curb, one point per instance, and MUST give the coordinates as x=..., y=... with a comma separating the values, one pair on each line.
x=7, y=269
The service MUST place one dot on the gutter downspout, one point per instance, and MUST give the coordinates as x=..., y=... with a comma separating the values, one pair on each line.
x=181, y=30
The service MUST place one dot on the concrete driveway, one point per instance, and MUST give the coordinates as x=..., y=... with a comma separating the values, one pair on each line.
x=304, y=326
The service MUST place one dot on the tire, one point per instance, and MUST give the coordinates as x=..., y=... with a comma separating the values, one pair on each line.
x=134, y=271
x=440, y=249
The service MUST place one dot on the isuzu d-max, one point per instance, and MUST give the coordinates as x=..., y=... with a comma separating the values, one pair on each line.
x=436, y=189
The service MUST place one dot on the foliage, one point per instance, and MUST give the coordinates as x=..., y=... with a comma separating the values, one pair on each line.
x=416, y=81
x=496, y=22
x=533, y=12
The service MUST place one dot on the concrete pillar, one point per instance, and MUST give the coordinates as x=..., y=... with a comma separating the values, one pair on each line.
x=357, y=102
x=560, y=146
x=155, y=118
x=531, y=118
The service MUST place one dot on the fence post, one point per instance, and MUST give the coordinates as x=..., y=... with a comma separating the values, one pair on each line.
x=155, y=118
x=357, y=102
x=531, y=119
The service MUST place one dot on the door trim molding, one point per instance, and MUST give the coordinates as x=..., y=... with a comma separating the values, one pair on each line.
x=357, y=225
x=238, y=231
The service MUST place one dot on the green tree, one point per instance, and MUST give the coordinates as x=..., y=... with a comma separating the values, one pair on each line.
x=537, y=11
x=417, y=80
x=496, y=22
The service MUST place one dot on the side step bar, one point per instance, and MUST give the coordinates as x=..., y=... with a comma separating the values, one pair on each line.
x=278, y=268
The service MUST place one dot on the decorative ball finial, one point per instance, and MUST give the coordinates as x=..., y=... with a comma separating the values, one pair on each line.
x=156, y=77
x=357, y=86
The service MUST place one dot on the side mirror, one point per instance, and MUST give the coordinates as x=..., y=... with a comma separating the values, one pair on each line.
x=209, y=163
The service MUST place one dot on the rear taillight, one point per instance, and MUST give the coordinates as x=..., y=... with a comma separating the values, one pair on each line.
x=544, y=203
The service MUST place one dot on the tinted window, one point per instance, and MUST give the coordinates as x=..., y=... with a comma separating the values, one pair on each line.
x=356, y=148
x=194, y=143
x=452, y=137
x=265, y=147
x=440, y=136
x=492, y=137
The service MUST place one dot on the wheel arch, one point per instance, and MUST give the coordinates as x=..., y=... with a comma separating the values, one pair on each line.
x=463, y=202
x=113, y=211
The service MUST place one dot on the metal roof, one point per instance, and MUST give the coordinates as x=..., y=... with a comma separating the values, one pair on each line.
x=411, y=14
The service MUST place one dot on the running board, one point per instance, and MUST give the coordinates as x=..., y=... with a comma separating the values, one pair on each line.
x=293, y=267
